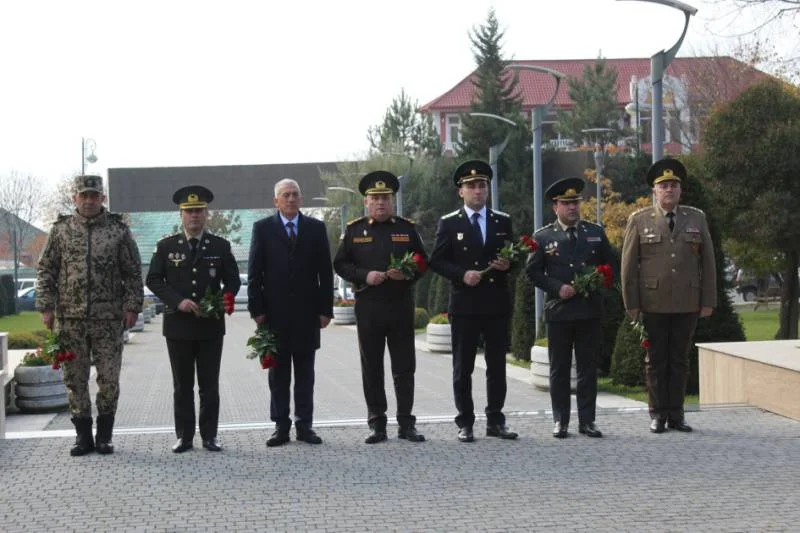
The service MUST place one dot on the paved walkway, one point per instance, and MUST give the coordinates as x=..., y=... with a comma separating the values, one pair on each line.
x=738, y=472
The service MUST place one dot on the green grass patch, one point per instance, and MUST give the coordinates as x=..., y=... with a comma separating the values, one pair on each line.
x=22, y=322
x=634, y=393
x=759, y=325
x=510, y=359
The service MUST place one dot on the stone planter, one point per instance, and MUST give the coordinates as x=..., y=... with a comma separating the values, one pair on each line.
x=344, y=315
x=438, y=338
x=540, y=369
x=39, y=388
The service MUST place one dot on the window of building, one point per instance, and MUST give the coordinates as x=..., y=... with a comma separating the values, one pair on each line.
x=453, y=130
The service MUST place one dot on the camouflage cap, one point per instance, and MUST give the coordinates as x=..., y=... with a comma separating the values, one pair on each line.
x=88, y=183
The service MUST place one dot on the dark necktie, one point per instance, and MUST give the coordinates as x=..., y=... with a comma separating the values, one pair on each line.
x=671, y=217
x=292, y=234
x=572, y=236
x=477, y=226
x=193, y=246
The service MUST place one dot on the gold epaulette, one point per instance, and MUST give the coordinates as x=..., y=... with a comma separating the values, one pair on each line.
x=357, y=220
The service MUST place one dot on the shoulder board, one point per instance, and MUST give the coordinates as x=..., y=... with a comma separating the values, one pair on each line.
x=543, y=228
x=167, y=237
x=642, y=210
x=454, y=213
x=501, y=213
x=115, y=216
x=692, y=209
x=356, y=220
x=590, y=224
x=405, y=220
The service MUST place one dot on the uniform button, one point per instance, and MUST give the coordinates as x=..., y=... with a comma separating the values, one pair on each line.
x=194, y=282
x=194, y=294
x=194, y=270
x=476, y=263
x=672, y=241
x=491, y=280
x=465, y=248
x=571, y=265
x=673, y=255
x=673, y=270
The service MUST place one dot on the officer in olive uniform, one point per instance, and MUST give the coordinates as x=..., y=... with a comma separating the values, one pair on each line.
x=183, y=266
x=468, y=241
x=669, y=276
x=384, y=302
x=89, y=289
x=568, y=247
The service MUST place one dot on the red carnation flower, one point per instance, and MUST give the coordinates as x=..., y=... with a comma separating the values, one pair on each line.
x=422, y=266
x=646, y=343
x=268, y=361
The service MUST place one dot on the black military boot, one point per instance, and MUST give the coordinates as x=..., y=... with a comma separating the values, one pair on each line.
x=105, y=427
x=84, y=443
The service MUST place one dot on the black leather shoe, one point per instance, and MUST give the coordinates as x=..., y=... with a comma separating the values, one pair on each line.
x=278, y=438
x=181, y=446
x=590, y=430
x=657, y=426
x=309, y=436
x=212, y=445
x=560, y=430
x=680, y=425
x=410, y=434
x=465, y=434
x=501, y=431
x=377, y=435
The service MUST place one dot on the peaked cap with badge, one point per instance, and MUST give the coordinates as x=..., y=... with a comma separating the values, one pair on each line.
x=566, y=189
x=192, y=197
x=666, y=169
x=87, y=183
x=474, y=170
x=378, y=182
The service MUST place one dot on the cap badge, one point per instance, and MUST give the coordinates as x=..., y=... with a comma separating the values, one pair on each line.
x=380, y=185
x=192, y=198
x=667, y=173
x=570, y=192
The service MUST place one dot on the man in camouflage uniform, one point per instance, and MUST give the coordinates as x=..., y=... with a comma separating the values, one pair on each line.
x=90, y=289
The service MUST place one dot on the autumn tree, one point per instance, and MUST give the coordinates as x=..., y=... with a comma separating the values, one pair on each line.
x=752, y=153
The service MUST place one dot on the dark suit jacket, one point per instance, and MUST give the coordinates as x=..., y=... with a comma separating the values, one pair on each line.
x=173, y=277
x=292, y=287
x=459, y=249
x=556, y=262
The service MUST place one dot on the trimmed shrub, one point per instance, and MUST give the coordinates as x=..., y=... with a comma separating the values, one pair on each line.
x=523, y=320
x=23, y=340
x=421, y=317
x=441, y=318
x=8, y=295
x=627, y=362
x=421, y=289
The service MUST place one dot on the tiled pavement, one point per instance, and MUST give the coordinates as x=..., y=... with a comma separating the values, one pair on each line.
x=738, y=472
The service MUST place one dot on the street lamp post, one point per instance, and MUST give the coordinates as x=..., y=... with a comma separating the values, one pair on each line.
x=90, y=145
x=494, y=156
x=658, y=64
x=348, y=189
x=400, y=180
x=342, y=213
x=599, y=163
x=538, y=205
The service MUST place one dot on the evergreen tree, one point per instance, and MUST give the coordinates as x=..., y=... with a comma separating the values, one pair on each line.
x=405, y=130
x=595, y=102
x=227, y=225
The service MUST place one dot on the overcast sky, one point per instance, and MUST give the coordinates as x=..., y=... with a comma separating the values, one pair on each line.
x=173, y=83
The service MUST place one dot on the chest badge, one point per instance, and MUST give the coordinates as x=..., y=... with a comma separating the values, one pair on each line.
x=459, y=236
x=551, y=248
x=177, y=258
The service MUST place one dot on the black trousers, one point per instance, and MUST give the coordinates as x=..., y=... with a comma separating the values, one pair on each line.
x=381, y=323
x=184, y=357
x=465, y=332
x=667, y=361
x=280, y=378
x=582, y=336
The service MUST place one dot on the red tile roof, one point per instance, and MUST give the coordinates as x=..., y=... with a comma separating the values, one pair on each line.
x=537, y=87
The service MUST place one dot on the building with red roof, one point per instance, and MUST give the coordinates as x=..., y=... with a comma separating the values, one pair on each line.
x=692, y=86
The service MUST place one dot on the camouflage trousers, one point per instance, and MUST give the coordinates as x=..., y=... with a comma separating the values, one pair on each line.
x=98, y=342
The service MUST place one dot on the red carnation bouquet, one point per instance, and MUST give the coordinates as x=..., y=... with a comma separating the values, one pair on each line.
x=216, y=304
x=515, y=252
x=593, y=279
x=644, y=338
x=409, y=264
x=53, y=353
x=264, y=346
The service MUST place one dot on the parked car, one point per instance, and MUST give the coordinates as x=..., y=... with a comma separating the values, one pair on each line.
x=752, y=288
x=26, y=299
x=241, y=297
x=23, y=284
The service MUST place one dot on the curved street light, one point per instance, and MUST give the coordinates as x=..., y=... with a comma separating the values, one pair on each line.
x=91, y=157
x=348, y=189
x=599, y=163
x=536, y=124
x=342, y=212
x=494, y=156
x=658, y=64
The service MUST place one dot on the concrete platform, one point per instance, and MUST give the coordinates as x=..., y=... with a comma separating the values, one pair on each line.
x=765, y=374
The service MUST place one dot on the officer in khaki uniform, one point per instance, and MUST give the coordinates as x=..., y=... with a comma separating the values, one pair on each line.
x=183, y=266
x=384, y=302
x=668, y=276
x=90, y=288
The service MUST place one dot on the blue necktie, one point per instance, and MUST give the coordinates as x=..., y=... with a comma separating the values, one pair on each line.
x=477, y=226
x=292, y=234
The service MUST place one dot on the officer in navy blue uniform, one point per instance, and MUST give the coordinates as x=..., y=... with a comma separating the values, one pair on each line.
x=468, y=241
x=183, y=266
x=384, y=302
x=567, y=247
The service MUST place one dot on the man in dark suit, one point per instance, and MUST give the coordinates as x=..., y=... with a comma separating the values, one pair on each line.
x=669, y=276
x=290, y=290
x=184, y=266
x=566, y=248
x=384, y=302
x=468, y=241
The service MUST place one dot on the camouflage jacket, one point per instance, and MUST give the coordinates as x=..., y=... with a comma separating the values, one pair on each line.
x=90, y=269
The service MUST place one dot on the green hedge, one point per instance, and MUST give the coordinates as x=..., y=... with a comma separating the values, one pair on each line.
x=523, y=320
x=8, y=295
x=23, y=340
x=421, y=317
x=627, y=362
